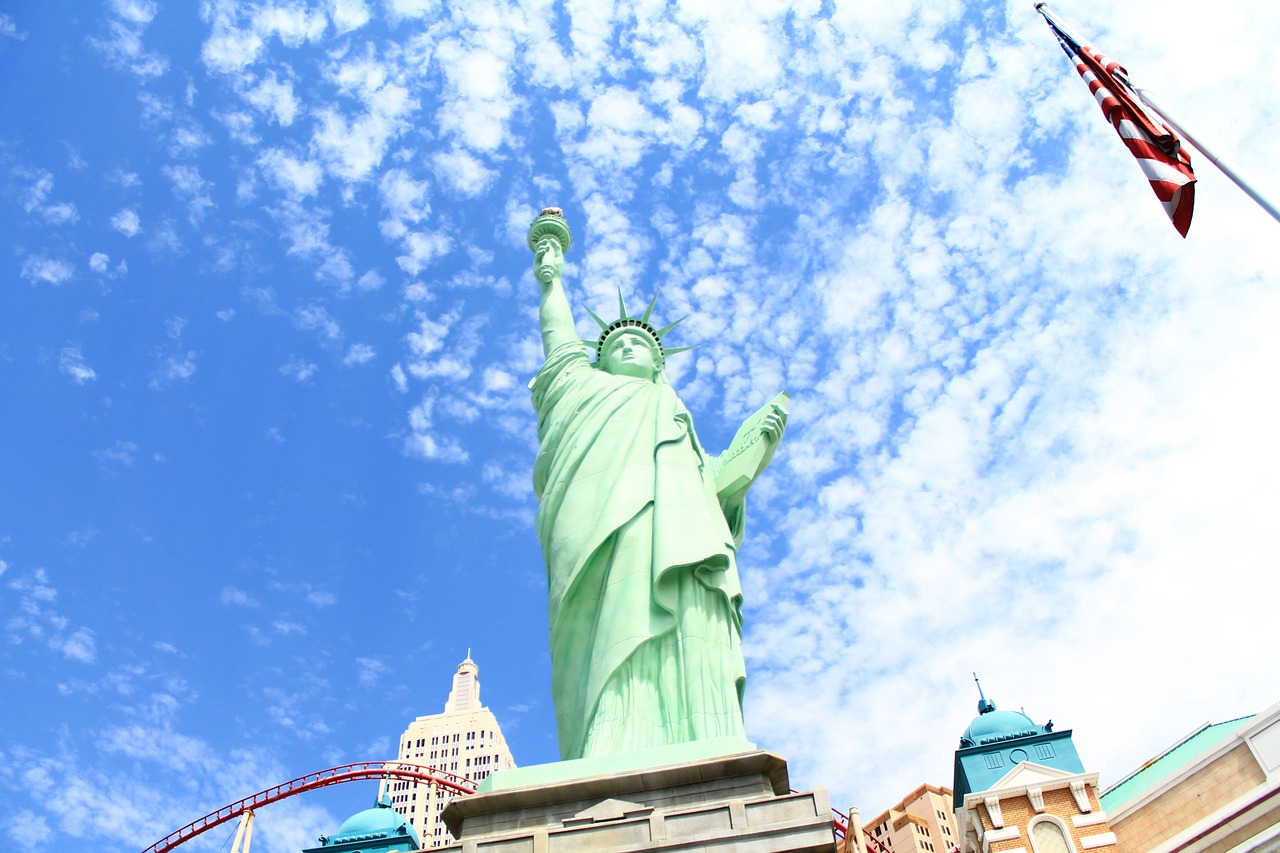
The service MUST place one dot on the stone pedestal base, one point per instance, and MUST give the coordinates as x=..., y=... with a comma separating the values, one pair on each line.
x=738, y=803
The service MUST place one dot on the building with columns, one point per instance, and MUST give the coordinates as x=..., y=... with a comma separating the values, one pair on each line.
x=464, y=741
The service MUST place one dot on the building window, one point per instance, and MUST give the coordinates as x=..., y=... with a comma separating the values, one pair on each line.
x=1044, y=750
x=994, y=760
x=1048, y=836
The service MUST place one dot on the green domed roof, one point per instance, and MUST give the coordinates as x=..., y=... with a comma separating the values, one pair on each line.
x=991, y=725
x=381, y=821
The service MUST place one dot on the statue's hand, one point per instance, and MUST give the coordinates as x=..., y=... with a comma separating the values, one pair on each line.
x=773, y=426
x=548, y=260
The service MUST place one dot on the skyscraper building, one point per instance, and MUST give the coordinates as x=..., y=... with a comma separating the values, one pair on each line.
x=465, y=741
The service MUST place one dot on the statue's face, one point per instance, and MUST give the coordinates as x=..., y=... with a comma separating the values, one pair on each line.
x=630, y=354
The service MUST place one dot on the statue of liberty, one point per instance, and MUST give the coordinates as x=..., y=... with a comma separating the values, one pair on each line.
x=639, y=526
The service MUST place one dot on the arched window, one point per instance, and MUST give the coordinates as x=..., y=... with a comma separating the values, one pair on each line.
x=1049, y=836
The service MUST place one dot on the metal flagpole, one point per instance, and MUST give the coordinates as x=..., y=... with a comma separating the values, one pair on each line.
x=1145, y=96
x=1226, y=169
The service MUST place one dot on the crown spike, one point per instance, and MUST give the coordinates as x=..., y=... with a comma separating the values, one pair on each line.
x=594, y=316
x=666, y=351
x=649, y=311
x=622, y=307
x=663, y=331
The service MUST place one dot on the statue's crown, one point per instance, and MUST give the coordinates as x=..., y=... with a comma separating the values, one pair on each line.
x=638, y=324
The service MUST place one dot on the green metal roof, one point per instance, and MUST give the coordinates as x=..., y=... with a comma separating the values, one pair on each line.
x=1169, y=762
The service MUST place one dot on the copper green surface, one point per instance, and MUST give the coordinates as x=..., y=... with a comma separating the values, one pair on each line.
x=644, y=603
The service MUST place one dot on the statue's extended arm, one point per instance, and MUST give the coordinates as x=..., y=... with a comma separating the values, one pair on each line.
x=554, y=315
x=750, y=453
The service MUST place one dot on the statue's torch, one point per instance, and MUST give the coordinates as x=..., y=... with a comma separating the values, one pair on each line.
x=548, y=228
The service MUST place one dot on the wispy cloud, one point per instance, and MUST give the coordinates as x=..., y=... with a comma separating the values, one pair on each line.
x=299, y=369
x=237, y=597
x=37, y=620
x=72, y=363
x=174, y=368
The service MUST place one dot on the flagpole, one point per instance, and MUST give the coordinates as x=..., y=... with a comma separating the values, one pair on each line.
x=1224, y=167
x=1232, y=174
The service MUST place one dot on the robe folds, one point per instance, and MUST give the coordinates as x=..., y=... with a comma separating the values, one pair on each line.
x=644, y=602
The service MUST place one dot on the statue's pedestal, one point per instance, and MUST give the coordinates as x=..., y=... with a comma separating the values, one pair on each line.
x=738, y=802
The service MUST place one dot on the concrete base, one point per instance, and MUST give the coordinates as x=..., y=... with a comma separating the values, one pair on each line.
x=739, y=803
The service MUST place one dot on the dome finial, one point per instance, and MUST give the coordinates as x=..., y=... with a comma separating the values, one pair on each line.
x=985, y=705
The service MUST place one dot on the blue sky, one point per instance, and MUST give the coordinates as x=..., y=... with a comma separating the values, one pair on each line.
x=268, y=319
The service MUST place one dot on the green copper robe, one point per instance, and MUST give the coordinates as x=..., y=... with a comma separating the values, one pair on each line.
x=644, y=600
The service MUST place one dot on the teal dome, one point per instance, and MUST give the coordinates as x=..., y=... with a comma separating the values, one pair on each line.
x=991, y=726
x=380, y=822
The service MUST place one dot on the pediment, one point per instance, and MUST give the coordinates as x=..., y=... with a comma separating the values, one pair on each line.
x=1029, y=773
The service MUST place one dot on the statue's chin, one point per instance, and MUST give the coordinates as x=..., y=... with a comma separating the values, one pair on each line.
x=634, y=372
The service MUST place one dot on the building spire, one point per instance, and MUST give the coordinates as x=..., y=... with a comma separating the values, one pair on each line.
x=985, y=705
x=465, y=695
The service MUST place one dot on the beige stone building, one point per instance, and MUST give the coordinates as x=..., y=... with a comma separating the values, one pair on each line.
x=922, y=823
x=1217, y=790
x=464, y=741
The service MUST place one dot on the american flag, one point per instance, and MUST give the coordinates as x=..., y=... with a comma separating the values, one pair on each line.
x=1149, y=139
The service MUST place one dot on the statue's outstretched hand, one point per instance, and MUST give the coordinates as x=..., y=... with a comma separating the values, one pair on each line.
x=548, y=261
x=773, y=426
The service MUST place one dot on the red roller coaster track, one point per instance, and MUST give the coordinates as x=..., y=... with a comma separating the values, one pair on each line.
x=361, y=771
x=321, y=779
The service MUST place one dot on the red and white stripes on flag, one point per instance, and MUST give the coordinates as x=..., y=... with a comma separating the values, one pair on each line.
x=1149, y=139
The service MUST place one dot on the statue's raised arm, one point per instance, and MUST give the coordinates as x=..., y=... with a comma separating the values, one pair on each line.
x=639, y=527
x=549, y=238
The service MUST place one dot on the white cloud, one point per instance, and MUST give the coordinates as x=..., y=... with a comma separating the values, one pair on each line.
x=237, y=597
x=37, y=201
x=72, y=363
x=426, y=441
x=421, y=248
x=411, y=8
x=229, y=48
x=36, y=619
x=275, y=98
x=28, y=828
x=371, y=280
x=369, y=671
x=99, y=262
x=314, y=318
x=174, y=368
x=352, y=146
x=292, y=23
x=404, y=200
x=191, y=188
x=479, y=100
x=123, y=45
x=317, y=598
x=77, y=646
x=122, y=454
x=348, y=15
x=298, y=369
x=359, y=354
x=462, y=172
x=127, y=223
x=37, y=269
x=9, y=29
x=299, y=178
